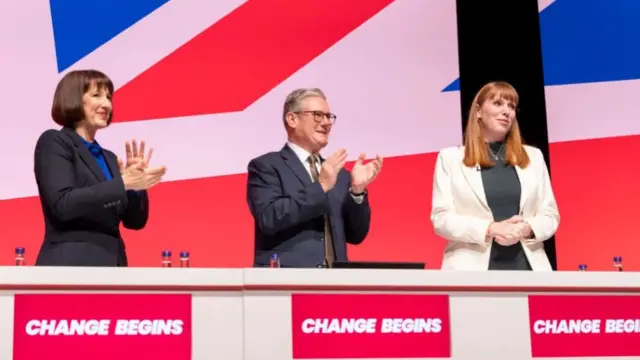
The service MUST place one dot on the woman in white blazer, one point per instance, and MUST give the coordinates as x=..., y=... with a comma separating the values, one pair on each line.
x=492, y=198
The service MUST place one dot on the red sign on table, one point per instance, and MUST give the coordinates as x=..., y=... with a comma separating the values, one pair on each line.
x=370, y=326
x=585, y=326
x=102, y=326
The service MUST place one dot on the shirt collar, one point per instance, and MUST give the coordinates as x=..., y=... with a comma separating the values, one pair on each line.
x=301, y=153
x=93, y=147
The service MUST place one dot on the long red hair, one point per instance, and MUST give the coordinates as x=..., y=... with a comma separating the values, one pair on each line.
x=475, y=146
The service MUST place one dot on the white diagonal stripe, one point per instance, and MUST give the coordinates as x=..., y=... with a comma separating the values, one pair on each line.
x=154, y=37
x=592, y=111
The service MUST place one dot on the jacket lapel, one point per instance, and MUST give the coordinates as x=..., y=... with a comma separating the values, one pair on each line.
x=295, y=165
x=112, y=163
x=527, y=183
x=473, y=175
x=85, y=154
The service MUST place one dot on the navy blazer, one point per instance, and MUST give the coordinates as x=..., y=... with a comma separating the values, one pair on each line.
x=288, y=211
x=82, y=210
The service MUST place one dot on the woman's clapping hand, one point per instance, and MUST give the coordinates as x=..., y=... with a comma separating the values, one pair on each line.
x=135, y=171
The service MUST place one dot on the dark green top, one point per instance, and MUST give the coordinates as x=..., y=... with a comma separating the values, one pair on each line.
x=502, y=189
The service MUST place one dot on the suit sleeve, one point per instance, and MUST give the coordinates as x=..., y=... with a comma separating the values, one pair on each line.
x=357, y=217
x=274, y=211
x=54, y=171
x=447, y=223
x=547, y=219
x=137, y=213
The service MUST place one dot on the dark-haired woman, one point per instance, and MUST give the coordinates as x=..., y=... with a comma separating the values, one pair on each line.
x=86, y=192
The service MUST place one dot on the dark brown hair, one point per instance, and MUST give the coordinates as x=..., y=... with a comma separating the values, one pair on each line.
x=67, y=109
x=475, y=147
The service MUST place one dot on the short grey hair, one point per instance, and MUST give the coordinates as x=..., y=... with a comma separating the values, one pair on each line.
x=295, y=98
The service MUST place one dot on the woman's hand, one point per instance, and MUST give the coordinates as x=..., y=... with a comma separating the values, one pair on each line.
x=508, y=232
x=135, y=155
x=135, y=177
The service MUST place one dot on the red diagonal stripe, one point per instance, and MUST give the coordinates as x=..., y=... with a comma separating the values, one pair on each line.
x=241, y=57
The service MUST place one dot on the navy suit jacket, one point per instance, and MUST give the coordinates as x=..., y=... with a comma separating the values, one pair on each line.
x=288, y=211
x=82, y=209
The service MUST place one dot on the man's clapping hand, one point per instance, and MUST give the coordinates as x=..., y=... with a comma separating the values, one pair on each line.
x=363, y=174
x=331, y=168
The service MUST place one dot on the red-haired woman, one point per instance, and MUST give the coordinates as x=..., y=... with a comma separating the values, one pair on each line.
x=492, y=197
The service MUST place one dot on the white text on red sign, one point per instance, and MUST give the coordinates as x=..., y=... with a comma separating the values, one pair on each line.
x=102, y=327
x=370, y=326
x=587, y=326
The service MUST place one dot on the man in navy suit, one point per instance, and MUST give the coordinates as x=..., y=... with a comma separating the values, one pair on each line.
x=307, y=208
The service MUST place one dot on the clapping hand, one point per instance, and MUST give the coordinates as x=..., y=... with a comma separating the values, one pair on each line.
x=135, y=155
x=331, y=168
x=137, y=178
x=135, y=172
x=363, y=174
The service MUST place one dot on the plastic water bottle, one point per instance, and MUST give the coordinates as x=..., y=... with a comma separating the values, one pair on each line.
x=166, y=258
x=617, y=263
x=582, y=267
x=275, y=261
x=20, y=256
x=184, y=259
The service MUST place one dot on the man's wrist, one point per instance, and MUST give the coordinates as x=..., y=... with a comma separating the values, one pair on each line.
x=357, y=192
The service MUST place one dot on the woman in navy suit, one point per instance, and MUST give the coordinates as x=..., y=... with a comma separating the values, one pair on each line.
x=86, y=192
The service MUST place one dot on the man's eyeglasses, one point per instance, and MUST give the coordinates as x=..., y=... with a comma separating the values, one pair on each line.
x=319, y=115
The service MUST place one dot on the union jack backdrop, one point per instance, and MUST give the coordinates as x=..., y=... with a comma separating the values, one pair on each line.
x=592, y=81
x=203, y=83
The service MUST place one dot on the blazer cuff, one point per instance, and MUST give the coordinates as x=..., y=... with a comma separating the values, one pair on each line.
x=537, y=228
x=482, y=229
x=317, y=196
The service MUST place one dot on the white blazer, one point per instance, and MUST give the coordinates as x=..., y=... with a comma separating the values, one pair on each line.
x=461, y=215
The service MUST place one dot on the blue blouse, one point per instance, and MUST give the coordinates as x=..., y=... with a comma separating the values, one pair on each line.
x=96, y=151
